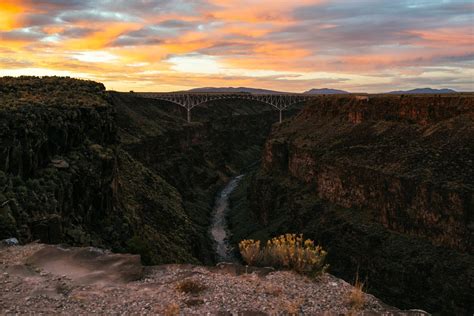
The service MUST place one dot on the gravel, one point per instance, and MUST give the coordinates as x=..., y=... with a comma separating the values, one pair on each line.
x=26, y=289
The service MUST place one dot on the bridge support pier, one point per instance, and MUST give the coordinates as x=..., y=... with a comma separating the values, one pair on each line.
x=187, y=100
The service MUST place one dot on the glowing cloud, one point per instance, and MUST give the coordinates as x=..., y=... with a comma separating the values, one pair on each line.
x=94, y=57
x=363, y=45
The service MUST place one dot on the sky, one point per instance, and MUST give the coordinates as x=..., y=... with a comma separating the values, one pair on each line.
x=286, y=45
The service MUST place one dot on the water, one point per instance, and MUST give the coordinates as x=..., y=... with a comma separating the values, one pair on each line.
x=219, y=231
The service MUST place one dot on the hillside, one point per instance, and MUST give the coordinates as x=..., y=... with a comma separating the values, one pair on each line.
x=235, y=90
x=423, y=91
x=326, y=91
x=51, y=92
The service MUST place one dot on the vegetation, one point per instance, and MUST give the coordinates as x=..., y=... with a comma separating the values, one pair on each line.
x=50, y=91
x=171, y=310
x=289, y=251
x=357, y=295
x=190, y=286
x=194, y=162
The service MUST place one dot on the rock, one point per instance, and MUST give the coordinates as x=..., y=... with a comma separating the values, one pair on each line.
x=10, y=242
x=48, y=230
x=372, y=181
x=59, y=163
x=87, y=265
x=237, y=269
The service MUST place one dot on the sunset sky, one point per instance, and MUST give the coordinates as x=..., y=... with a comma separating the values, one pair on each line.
x=289, y=45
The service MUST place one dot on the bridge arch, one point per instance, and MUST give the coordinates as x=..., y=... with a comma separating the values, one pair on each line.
x=191, y=100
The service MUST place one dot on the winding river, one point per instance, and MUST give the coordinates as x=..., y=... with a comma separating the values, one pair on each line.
x=219, y=231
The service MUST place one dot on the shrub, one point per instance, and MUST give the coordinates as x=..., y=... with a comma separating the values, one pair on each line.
x=289, y=251
x=191, y=286
x=356, y=296
x=171, y=310
x=250, y=251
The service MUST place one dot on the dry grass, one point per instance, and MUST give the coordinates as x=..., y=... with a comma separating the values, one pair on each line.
x=357, y=295
x=271, y=289
x=190, y=286
x=171, y=310
x=292, y=307
x=250, y=251
x=289, y=251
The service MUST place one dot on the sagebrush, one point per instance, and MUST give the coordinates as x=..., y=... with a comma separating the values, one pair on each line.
x=289, y=251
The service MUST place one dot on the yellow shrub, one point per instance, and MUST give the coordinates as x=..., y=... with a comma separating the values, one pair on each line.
x=250, y=251
x=288, y=251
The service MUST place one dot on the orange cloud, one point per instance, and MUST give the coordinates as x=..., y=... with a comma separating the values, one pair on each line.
x=447, y=36
x=10, y=11
x=106, y=34
x=279, y=44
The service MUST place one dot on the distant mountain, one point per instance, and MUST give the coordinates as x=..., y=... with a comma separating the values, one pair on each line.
x=234, y=90
x=424, y=91
x=326, y=91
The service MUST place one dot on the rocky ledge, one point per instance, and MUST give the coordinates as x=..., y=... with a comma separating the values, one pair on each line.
x=55, y=280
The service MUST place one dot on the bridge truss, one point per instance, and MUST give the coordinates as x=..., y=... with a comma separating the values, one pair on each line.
x=190, y=100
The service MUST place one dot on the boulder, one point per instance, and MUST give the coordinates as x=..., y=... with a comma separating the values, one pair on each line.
x=88, y=265
x=10, y=242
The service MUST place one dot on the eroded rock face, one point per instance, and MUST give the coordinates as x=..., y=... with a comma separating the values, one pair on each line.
x=386, y=185
x=44, y=189
x=84, y=167
x=196, y=159
x=412, y=165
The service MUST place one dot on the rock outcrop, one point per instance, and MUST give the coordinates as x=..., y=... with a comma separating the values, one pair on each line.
x=385, y=184
x=194, y=159
x=83, y=166
x=56, y=162
x=408, y=159
x=53, y=280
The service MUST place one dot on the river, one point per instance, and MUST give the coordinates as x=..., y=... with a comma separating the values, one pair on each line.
x=219, y=230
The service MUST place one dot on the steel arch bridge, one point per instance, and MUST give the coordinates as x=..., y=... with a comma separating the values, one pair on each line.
x=190, y=100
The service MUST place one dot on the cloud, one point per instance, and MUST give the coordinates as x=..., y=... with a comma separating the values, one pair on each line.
x=277, y=44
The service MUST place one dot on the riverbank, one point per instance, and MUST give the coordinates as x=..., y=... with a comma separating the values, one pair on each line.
x=219, y=230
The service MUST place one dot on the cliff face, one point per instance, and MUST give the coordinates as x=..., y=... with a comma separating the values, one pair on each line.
x=386, y=185
x=56, y=165
x=65, y=179
x=195, y=159
x=407, y=159
x=85, y=167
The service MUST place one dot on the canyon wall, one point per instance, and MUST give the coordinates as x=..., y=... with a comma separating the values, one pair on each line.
x=385, y=184
x=198, y=158
x=409, y=159
x=83, y=166
x=57, y=161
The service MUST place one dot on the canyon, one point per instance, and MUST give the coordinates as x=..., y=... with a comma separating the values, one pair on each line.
x=383, y=183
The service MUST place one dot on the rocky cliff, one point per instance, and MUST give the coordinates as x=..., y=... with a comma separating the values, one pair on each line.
x=196, y=159
x=386, y=184
x=409, y=159
x=57, y=160
x=83, y=166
